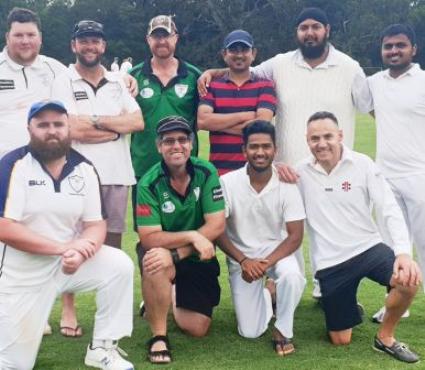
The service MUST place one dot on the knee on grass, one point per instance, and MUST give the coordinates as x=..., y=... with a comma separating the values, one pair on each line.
x=340, y=338
x=196, y=328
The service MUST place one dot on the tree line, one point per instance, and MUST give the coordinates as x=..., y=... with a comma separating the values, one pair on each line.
x=202, y=24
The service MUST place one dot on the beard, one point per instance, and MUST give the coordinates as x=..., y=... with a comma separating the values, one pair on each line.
x=313, y=52
x=83, y=61
x=49, y=151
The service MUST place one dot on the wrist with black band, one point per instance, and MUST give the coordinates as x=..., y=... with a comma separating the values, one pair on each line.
x=175, y=256
x=243, y=259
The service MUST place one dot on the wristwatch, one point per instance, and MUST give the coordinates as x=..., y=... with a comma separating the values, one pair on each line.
x=94, y=119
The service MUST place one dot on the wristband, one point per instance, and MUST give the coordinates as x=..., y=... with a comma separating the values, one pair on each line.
x=243, y=259
x=175, y=256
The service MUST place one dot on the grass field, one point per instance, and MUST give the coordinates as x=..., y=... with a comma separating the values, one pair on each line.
x=224, y=349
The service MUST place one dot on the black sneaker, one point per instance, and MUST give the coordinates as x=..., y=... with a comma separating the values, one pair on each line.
x=398, y=350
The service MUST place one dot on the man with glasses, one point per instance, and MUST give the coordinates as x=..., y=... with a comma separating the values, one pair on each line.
x=180, y=212
x=167, y=87
x=233, y=101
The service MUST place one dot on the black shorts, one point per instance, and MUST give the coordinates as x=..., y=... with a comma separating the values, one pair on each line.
x=339, y=284
x=197, y=287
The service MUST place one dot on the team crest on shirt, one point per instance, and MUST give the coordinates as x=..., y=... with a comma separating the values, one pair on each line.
x=197, y=191
x=346, y=186
x=181, y=90
x=77, y=183
x=168, y=207
x=146, y=93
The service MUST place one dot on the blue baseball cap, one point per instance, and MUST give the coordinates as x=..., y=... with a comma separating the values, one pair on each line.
x=238, y=36
x=43, y=105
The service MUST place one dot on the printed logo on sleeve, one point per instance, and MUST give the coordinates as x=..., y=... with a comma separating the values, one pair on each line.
x=217, y=193
x=143, y=210
x=80, y=95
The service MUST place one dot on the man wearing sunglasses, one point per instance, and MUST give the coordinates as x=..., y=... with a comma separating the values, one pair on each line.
x=180, y=212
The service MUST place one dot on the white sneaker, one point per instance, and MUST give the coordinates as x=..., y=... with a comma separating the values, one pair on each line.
x=317, y=294
x=379, y=316
x=107, y=358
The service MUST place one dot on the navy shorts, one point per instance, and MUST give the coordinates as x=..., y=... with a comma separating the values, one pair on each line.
x=197, y=286
x=339, y=285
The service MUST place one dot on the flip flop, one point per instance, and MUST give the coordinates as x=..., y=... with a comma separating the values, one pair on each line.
x=69, y=332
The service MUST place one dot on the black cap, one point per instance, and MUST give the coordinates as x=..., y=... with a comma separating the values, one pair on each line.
x=173, y=123
x=88, y=28
x=312, y=13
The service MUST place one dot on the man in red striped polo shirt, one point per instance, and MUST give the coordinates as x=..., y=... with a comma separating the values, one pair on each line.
x=233, y=101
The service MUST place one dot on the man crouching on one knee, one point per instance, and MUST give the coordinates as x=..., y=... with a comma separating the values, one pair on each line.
x=339, y=187
x=264, y=228
x=180, y=212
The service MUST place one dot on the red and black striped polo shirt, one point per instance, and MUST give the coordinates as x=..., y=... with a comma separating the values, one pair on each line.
x=224, y=96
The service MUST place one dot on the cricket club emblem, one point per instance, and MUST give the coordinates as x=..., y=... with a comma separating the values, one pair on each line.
x=346, y=186
x=77, y=183
x=181, y=90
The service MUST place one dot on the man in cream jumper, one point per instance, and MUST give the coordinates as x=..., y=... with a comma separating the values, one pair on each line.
x=339, y=187
x=264, y=228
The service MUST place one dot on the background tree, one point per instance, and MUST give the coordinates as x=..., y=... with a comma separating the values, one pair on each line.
x=202, y=24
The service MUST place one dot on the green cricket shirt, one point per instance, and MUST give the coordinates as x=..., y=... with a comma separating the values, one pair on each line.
x=178, y=98
x=159, y=204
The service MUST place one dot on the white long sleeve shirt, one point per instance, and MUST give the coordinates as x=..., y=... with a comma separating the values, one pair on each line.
x=339, y=209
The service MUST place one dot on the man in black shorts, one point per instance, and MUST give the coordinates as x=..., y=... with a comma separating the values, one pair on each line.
x=180, y=212
x=339, y=186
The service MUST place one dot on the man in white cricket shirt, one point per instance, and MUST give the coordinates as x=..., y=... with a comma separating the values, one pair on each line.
x=339, y=187
x=265, y=222
x=51, y=233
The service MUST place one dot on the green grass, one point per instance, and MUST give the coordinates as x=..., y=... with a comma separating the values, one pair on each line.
x=224, y=349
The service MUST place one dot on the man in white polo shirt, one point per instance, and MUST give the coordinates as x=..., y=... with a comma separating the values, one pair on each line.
x=102, y=113
x=397, y=98
x=51, y=233
x=25, y=76
x=264, y=228
x=339, y=187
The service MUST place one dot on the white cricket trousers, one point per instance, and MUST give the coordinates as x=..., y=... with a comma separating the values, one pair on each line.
x=23, y=315
x=410, y=195
x=253, y=304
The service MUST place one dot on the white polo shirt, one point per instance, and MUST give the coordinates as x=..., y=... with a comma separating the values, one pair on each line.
x=111, y=98
x=339, y=209
x=334, y=86
x=20, y=87
x=51, y=208
x=256, y=221
x=399, y=105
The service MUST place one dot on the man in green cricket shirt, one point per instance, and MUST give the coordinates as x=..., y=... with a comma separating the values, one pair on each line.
x=180, y=212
